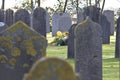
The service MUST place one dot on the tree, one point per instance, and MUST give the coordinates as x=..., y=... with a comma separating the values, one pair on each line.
x=3, y=4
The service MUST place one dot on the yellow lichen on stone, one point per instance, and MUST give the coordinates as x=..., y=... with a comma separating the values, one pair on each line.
x=3, y=59
x=31, y=52
x=25, y=65
x=12, y=61
x=16, y=52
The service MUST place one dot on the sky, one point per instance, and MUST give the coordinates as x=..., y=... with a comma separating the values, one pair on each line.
x=110, y=4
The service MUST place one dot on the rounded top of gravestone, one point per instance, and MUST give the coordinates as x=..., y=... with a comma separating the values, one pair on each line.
x=50, y=69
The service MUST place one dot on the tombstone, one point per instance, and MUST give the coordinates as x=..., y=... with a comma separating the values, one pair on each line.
x=117, y=47
x=20, y=48
x=47, y=22
x=105, y=29
x=51, y=69
x=9, y=17
x=93, y=12
x=88, y=50
x=80, y=17
x=2, y=15
x=110, y=16
x=39, y=21
x=22, y=15
x=61, y=22
x=3, y=26
x=71, y=51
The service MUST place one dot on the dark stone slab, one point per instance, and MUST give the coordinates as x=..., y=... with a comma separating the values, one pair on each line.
x=2, y=12
x=88, y=50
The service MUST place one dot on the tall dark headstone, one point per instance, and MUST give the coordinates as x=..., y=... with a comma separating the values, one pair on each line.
x=117, y=47
x=93, y=12
x=88, y=50
x=80, y=17
x=71, y=51
x=105, y=29
x=9, y=17
x=20, y=48
x=22, y=15
x=2, y=15
x=39, y=21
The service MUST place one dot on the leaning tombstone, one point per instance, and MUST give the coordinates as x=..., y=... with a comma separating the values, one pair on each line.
x=51, y=69
x=47, y=22
x=88, y=50
x=22, y=15
x=117, y=47
x=105, y=29
x=61, y=22
x=20, y=48
x=110, y=17
x=71, y=51
x=3, y=26
x=39, y=21
x=9, y=17
x=2, y=15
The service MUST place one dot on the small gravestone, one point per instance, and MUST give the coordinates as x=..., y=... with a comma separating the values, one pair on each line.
x=2, y=15
x=88, y=50
x=80, y=17
x=20, y=48
x=71, y=51
x=22, y=15
x=110, y=17
x=39, y=21
x=3, y=26
x=61, y=22
x=117, y=47
x=93, y=12
x=105, y=29
x=9, y=17
x=51, y=69
x=47, y=22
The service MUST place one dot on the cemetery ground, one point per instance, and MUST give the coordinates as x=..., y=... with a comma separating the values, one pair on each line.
x=110, y=65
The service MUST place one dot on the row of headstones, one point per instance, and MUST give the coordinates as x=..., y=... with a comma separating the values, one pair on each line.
x=21, y=47
x=39, y=19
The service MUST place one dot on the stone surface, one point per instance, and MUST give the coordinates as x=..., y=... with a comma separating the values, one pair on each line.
x=9, y=17
x=93, y=12
x=47, y=22
x=105, y=29
x=117, y=47
x=61, y=22
x=39, y=21
x=110, y=16
x=80, y=17
x=22, y=15
x=2, y=15
x=71, y=51
x=20, y=48
x=51, y=69
x=88, y=50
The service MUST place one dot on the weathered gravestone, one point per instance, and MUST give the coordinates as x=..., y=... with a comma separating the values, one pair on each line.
x=22, y=15
x=47, y=22
x=20, y=47
x=71, y=51
x=93, y=12
x=105, y=29
x=117, y=48
x=61, y=22
x=39, y=21
x=80, y=17
x=2, y=15
x=9, y=17
x=3, y=26
x=51, y=69
x=88, y=50
x=110, y=17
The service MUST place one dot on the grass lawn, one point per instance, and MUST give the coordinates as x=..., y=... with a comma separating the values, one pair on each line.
x=111, y=70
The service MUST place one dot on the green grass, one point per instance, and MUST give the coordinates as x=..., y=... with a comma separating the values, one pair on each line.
x=110, y=64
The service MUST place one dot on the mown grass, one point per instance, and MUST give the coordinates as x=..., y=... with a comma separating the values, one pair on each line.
x=111, y=65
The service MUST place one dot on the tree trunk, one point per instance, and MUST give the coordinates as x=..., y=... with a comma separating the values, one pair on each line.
x=39, y=3
x=65, y=5
x=3, y=4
